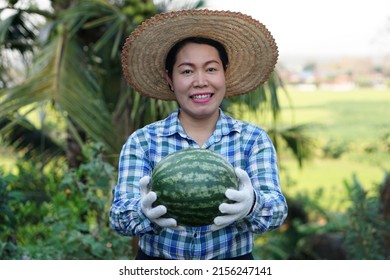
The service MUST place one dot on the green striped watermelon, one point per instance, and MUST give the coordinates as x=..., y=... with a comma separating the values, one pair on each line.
x=191, y=183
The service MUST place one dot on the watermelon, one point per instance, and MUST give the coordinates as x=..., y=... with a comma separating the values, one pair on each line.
x=191, y=183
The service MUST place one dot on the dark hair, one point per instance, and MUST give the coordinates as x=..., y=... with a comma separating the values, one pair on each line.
x=171, y=56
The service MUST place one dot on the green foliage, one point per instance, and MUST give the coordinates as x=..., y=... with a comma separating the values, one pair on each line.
x=368, y=228
x=296, y=140
x=8, y=248
x=334, y=149
x=21, y=134
x=7, y=217
x=351, y=138
x=312, y=232
x=75, y=66
x=57, y=213
x=70, y=223
x=298, y=238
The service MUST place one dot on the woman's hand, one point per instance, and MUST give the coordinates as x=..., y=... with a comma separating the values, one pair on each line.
x=244, y=201
x=154, y=214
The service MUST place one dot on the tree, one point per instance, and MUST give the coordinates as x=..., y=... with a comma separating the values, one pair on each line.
x=75, y=69
x=72, y=60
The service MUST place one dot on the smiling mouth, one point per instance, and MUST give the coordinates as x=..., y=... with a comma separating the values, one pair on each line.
x=201, y=96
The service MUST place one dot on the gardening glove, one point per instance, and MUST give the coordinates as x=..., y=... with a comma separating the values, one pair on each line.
x=154, y=213
x=244, y=200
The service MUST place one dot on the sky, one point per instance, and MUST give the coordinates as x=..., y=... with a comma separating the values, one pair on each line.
x=320, y=28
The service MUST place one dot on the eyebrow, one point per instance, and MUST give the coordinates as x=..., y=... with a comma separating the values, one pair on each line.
x=191, y=64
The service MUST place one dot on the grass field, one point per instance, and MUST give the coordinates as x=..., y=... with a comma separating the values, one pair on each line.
x=348, y=116
x=356, y=123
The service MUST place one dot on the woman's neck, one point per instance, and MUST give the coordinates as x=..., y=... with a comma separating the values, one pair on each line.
x=199, y=129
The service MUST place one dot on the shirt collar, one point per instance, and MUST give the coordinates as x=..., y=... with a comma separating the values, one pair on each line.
x=225, y=125
x=171, y=125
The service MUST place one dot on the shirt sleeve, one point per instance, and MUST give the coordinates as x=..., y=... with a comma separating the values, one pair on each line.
x=126, y=216
x=270, y=208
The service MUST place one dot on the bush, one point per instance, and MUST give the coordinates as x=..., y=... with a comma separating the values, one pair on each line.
x=362, y=232
x=71, y=222
x=369, y=228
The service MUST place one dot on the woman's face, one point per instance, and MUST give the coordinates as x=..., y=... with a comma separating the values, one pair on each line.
x=198, y=80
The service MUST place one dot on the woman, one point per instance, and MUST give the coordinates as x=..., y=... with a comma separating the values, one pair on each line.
x=198, y=58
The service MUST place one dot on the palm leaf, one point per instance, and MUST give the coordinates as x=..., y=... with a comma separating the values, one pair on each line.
x=23, y=135
x=60, y=76
x=295, y=139
x=263, y=99
x=105, y=20
x=169, y=5
x=16, y=34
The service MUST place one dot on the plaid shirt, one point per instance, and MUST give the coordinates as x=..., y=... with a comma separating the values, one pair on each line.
x=243, y=144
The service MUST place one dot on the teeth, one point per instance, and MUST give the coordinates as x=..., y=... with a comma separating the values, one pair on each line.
x=201, y=96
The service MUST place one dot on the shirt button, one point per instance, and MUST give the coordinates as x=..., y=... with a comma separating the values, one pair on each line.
x=195, y=235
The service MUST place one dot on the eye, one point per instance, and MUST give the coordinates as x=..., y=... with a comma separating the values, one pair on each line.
x=186, y=71
x=211, y=69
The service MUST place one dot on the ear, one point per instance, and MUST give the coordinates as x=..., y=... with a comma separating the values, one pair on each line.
x=169, y=81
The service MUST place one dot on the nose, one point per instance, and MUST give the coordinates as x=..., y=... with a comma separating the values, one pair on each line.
x=200, y=79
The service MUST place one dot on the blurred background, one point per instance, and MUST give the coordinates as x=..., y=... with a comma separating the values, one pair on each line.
x=65, y=111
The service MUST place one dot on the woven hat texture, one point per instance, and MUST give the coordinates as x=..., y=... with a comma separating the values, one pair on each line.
x=251, y=49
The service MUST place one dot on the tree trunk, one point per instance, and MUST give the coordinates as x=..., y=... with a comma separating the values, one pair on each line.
x=74, y=154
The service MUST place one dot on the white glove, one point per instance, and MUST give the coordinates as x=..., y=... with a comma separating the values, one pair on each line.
x=154, y=213
x=244, y=198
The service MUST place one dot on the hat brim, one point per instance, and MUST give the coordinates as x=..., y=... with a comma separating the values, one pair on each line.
x=251, y=49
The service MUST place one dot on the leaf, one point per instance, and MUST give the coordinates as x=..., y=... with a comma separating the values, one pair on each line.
x=61, y=75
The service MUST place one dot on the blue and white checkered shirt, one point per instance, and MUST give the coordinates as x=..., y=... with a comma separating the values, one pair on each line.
x=243, y=144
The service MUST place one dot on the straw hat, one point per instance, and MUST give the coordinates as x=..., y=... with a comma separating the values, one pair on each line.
x=250, y=47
